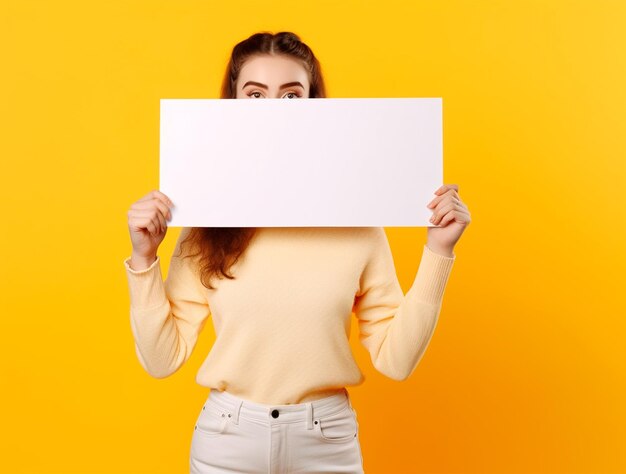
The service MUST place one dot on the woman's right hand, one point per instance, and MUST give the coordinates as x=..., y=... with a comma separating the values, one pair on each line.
x=147, y=224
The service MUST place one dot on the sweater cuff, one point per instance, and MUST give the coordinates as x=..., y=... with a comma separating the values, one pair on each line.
x=432, y=276
x=146, y=287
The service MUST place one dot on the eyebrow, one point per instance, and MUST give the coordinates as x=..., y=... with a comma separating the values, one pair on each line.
x=288, y=84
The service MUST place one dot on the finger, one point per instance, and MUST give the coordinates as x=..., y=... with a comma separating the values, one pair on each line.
x=146, y=223
x=165, y=199
x=159, y=195
x=144, y=213
x=161, y=219
x=157, y=224
x=445, y=187
x=440, y=201
x=155, y=193
x=432, y=204
x=447, y=218
x=155, y=208
x=151, y=223
x=164, y=208
x=139, y=217
x=467, y=215
x=147, y=197
x=150, y=204
x=440, y=213
x=454, y=215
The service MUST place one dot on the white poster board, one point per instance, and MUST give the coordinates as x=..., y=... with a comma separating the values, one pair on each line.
x=301, y=162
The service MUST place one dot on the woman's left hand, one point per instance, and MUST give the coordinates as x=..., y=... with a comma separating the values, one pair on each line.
x=451, y=217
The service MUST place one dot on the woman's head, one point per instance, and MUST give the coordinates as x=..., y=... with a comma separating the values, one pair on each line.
x=272, y=60
x=265, y=65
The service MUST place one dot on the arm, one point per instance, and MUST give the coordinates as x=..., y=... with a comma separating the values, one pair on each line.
x=166, y=317
x=396, y=328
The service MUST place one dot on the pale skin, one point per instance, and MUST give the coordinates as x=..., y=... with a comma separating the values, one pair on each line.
x=275, y=76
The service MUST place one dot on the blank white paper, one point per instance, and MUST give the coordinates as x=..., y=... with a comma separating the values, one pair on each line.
x=301, y=162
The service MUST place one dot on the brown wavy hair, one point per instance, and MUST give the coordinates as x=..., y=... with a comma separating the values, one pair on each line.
x=218, y=248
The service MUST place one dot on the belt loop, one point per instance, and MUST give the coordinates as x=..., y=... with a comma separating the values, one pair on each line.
x=236, y=411
x=348, y=397
x=309, y=415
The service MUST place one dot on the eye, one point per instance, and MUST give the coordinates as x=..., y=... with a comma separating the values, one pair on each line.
x=252, y=93
x=294, y=93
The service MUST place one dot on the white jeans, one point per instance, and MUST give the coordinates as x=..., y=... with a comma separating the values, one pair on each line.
x=235, y=435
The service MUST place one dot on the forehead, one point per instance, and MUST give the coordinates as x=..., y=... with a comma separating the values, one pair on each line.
x=270, y=69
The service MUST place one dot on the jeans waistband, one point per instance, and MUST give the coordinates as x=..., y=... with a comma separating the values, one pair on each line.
x=274, y=414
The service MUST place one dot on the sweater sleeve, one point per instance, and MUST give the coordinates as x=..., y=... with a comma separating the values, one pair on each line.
x=396, y=328
x=166, y=316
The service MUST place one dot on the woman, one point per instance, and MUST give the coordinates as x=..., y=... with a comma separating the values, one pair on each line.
x=281, y=301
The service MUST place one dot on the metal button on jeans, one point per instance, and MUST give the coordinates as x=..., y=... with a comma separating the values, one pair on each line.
x=275, y=413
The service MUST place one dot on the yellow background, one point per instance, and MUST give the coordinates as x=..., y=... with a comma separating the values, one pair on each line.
x=526, y=370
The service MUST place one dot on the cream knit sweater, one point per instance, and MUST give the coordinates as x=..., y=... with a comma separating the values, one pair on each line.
x=282, y=325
